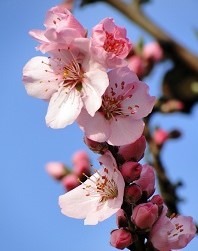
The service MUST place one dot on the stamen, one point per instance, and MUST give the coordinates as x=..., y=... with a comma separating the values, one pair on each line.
x=102, y=186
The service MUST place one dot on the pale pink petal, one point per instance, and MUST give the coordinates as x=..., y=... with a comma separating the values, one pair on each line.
x=39, y=79
x=96, y=128
x=38, y=35
x=60, y=18
x=145, y=104
x=94, y=85
x=63, y=108
x=184, y=232
x=125, y=130
x=76, y=204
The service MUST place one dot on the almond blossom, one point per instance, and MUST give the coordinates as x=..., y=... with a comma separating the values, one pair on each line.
x=61, y=28
x=109, y=44
x=70, y=80
x=172, y=233
x=125, y=102
x=99, y=197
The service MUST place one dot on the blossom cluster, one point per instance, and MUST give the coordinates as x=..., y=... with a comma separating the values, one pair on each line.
x=88, y=79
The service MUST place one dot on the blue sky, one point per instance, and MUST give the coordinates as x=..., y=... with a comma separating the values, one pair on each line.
x=30, y=219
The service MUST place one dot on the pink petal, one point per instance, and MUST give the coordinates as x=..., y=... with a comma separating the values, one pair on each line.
x=96, y=128
x=39, y=79
x=76, y=204
x=145, y=104
x=63, y=108
x=94, y=85
x=125, y=130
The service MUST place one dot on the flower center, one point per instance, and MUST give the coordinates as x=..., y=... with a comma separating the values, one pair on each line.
x=177, y=230
x=113, y=45
x=113, y=105
x=73, y=75
x=103, y=186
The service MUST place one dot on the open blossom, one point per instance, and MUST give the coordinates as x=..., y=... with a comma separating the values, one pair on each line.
x=69, y=80
x=99, y=197
x=61, y=28
x=109, y=44
x=125, y=102
x=172, y=233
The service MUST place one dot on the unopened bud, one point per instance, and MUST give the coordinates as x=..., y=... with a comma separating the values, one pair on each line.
x=130, y=171
x=147, y=180
x=133, y=151
x=121, y=238
x=132, y=193
x=160, y=136
x=70, y=182
x=145, y=215
x=95, y=146
x=56, y=169
x=153, y=51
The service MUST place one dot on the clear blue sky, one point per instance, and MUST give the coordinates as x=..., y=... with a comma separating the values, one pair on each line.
x=30, y=219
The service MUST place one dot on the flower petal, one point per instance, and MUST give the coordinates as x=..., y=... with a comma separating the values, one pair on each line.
x=94, y=85
x=96, y=128
x=39, y=79
x=125, y=130
x=64, y=108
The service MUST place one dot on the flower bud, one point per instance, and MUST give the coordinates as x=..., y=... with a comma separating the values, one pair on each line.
x=95, y=146
x=121, y=238
x=147, y=180
x=70, y=182
x=132, y=193
x=56, y=169
x=80, y=156
x=157, y=199
x=160, y=136
x=121, y=219
x=153, y=51
x=144, y=215
x=131, y=171
x=133, y=151
x=137, y=65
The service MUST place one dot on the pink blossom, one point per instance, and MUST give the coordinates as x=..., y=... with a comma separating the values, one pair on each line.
x=61, y=29
x=80, y=156
x=132, y=193
x=69, y=80
x=133, y=151
x=153, y=51
x=81, y=163
x=121, y=238
x=144, y=215
x=99, y=197
x=124, y=104
x=130, y=171
x=56, y=169
x=137, y=64
x=70, y=181
x=147, y=180
x=172, y=233
x=109, y=44
x=160, y=136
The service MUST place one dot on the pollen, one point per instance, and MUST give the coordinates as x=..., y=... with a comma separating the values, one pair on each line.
x=101, y=186
x=113, y=45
